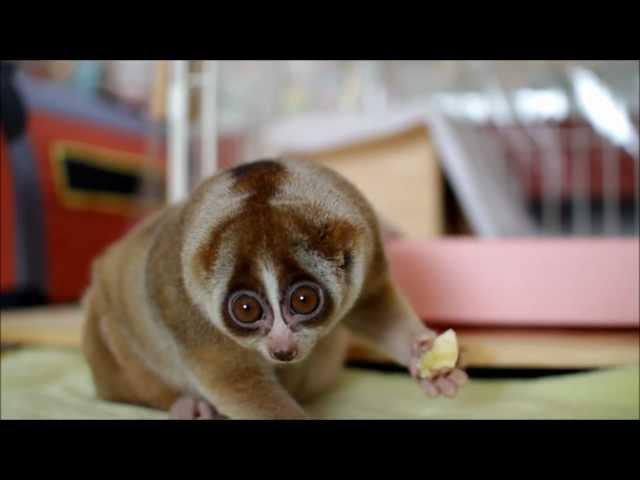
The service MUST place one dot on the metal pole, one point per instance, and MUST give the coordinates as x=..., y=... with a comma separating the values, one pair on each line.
x=178, y=134
x=208, y=119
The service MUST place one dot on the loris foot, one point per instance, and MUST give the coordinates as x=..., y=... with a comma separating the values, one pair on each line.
x=188, y=408
x=446, y=381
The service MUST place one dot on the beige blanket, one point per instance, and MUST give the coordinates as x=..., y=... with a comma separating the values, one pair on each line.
x=46, y=383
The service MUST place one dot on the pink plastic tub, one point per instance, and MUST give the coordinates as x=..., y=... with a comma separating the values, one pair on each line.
x=521, y=282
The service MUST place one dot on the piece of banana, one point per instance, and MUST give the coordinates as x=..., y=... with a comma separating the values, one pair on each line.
x=443, y=354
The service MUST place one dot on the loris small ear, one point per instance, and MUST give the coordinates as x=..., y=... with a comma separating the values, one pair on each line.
x=336, y=238
x=346, y=259
x=389, y=230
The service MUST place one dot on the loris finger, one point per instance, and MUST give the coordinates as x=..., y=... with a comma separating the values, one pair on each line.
x=429, y=388
x=183, y=409
x=459, y=377
x=188, y=408
x=446, y=386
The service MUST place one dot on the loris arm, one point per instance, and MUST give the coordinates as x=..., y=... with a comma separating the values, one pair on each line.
x=248, y=393
x=387, y=321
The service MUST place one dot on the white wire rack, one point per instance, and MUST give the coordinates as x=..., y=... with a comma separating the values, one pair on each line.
x=545, y=179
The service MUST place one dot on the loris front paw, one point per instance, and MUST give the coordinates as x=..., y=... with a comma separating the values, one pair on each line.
x=188, y=408
x=440, y=381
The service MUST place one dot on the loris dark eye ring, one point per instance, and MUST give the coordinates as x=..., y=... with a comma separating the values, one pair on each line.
x=305, y=299
x=245, y=307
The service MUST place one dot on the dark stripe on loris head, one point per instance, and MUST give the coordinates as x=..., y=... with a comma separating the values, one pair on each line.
x=245, y=276
x=208, y=252
x=260, y=179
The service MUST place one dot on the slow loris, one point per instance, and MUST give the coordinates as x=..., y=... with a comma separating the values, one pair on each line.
x=237, y=302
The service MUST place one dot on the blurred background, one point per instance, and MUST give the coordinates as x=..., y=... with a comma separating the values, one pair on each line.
x=523, y=174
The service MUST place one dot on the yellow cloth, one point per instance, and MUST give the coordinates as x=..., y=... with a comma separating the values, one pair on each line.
x=39, y=383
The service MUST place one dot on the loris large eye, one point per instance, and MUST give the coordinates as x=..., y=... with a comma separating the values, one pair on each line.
x=305, y=299
x=245, y=307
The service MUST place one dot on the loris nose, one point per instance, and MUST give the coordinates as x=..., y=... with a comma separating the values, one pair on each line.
x=285, y=355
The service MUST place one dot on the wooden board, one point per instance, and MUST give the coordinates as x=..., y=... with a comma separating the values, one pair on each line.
x=399, y=174
x=56, y=326
x=484, y=347
x=536, y=348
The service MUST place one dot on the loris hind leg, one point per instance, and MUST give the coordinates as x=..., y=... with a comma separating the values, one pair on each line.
x=118, y=375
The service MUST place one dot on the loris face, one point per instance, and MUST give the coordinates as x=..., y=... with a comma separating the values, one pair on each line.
x=281, y=264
